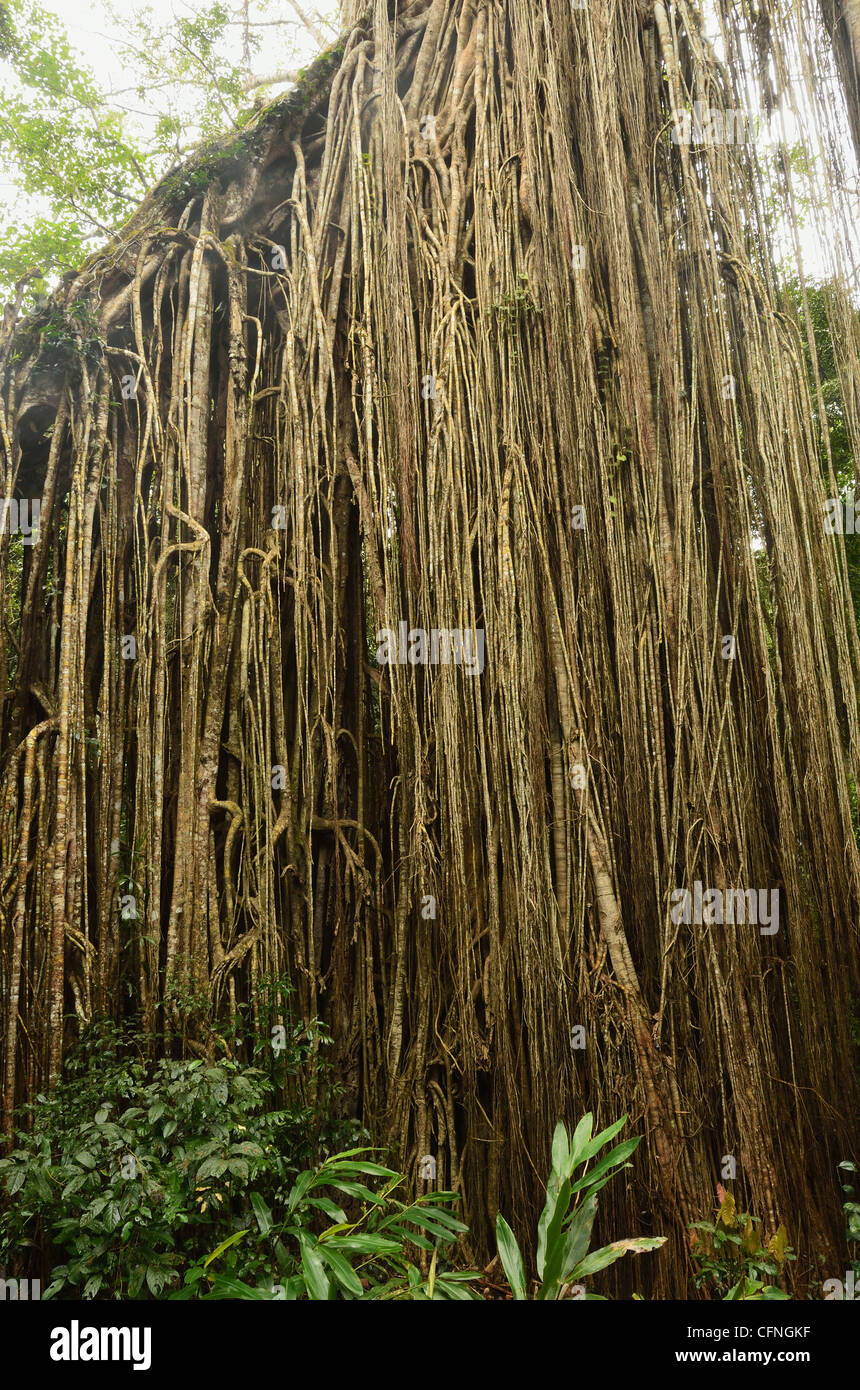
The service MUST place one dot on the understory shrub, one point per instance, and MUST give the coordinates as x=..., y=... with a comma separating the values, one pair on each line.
x=319, y=1250
x=733, y=1263
x=131, y=1167
x=565, y=1226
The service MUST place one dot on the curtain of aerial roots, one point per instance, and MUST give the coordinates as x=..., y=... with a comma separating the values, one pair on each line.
x=473, y=346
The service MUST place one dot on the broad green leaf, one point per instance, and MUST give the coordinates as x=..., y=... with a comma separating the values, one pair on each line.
x=228, y=1286
x=553, y=1255
x=448, y=1288
x=342, y=1270
x=358, y=1190
x=332, y=1231
x=728, y=1212
x=549, y=1210
x=611, y=1160
x=314, y=1270
x=599, y=1259
x=579, y=1142
x=349, y=1153
x=560, y=1151
x=16, y=1180
x=424, y=1222
x=211, y=1168
x=636, y=1244
x=440, y=1222
x=362, y=1244
x=301, y=1185
x=155, y=1280
x=512, y=1260
x=603, y=1138
x=778, y=1244
x=578, y=1235
x=751, y=1237
x=330, y=1208
x=439, y=1215
x=225, y=1245
x=262, y=1213
x=334, y=1167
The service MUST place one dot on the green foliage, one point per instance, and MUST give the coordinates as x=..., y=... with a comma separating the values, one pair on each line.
x=6, y=35
x=819, y=301
x=564, y=1230
x=87, y=156
x=833, y=426
x=732, y=1261
x=852, y=1218
x=65, y=144
x=312, y=1247
x=66, y=336
x=131, y=1169
x=134, y=1172
x=516, y=306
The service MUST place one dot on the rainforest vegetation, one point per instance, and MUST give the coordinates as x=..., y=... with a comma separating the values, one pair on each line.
x=430, y=652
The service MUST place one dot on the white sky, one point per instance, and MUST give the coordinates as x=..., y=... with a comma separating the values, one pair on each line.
x=99, y=38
